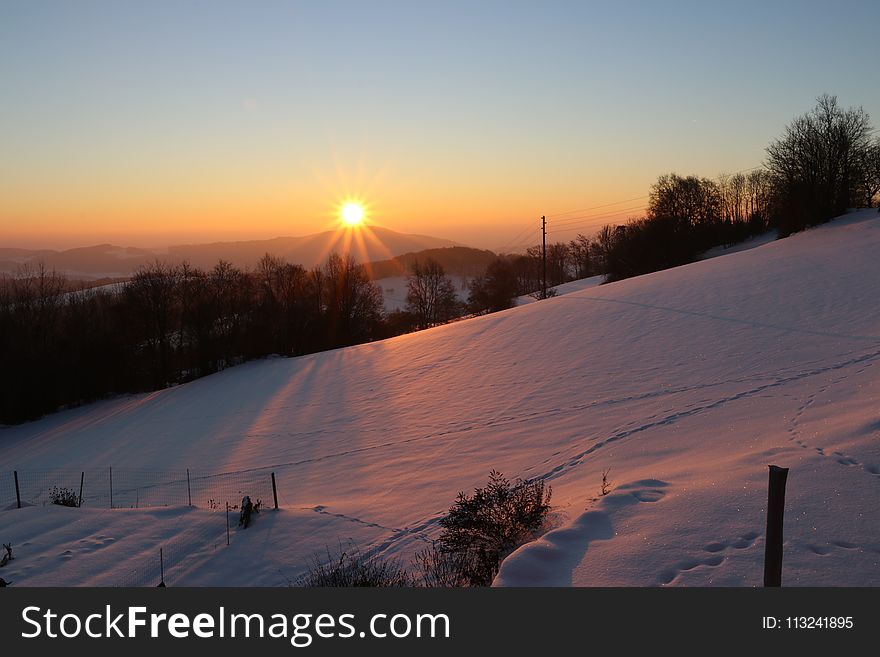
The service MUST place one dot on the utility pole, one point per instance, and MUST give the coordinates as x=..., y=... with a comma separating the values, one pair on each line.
x=544, y=256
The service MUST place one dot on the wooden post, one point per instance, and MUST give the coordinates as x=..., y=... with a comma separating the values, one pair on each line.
x=274, y=490
x=188, y=488
x=227, y=524
x=17, y=494
x=111, y=488
x=82, y=477
x=775, y=512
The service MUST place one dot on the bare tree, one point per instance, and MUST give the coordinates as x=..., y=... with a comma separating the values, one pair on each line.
x=153, y=293
x=353, y=303
x=580, y=250
x=430, y=294
x=604, y=247
x=733, y=196
x=869, y=172
x=697, y=200
x=495, y=290
x=816, y=163
x=558, y=263
x=759, y=197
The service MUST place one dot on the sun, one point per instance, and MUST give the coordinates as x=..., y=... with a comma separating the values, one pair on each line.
x=352, y=214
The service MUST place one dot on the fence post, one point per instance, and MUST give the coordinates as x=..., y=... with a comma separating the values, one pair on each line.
x=274, y=490
x=17, y=494
x=775, y=512
x=161, y=570
x=82, y=478
x=227, y=524
x=189, y=488
x=111, y=487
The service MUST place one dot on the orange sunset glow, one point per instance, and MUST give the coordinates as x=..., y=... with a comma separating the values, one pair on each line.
x=209, y=134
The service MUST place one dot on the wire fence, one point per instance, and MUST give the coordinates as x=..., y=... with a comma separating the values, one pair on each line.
x=110, y=488
x=127, y=488
x=172, y=557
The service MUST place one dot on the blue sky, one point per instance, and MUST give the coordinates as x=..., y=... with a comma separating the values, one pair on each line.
x=152, y=122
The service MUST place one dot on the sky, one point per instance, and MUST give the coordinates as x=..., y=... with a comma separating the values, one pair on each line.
x=154, y=123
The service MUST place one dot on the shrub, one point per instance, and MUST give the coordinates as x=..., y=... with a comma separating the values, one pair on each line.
x=442, y=569
x=63, y=496
x=478, y=532
x=481, y=529
x=351, y=568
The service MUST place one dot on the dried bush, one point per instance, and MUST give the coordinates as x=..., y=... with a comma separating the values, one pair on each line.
x=63, y=496
x=350, y=568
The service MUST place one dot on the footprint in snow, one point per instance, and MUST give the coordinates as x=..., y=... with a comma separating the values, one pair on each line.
x=715, y=555
x=649, y=495
x=826, y=549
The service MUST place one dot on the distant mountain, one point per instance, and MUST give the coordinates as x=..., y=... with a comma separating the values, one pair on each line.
x=460, y=260
x=107, y=260
x=103, y=260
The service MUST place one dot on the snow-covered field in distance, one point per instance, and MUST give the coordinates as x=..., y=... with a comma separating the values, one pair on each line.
x=687, y=383
x=394, y=290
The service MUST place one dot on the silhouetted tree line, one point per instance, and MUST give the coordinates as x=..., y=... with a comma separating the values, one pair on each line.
x=169, y=324
x=825, y=163
x=686, y=216
x=513, y=275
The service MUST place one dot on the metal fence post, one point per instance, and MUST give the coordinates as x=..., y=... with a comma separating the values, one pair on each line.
x=17, y=493
x=111, y=488
x=189, y=488
x=161, y=569
x=82, y=478
x=274, y=490
x=227, y=524
x=775, y=512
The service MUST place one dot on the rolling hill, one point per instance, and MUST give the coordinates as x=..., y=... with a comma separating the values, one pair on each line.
x=107, y=260
x=686, y=383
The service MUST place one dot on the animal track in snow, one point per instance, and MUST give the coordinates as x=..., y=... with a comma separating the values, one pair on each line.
x=708, y=405
x=91, y=544
x=824, y=549
x=841, y=457
x=714, y=554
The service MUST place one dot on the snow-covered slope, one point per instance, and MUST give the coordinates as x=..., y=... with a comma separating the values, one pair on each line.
x=686, y=383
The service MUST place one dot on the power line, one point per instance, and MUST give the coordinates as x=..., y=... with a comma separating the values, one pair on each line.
x=597, y=207
x=515, y=241
x=600, y=215
x=523, y=244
